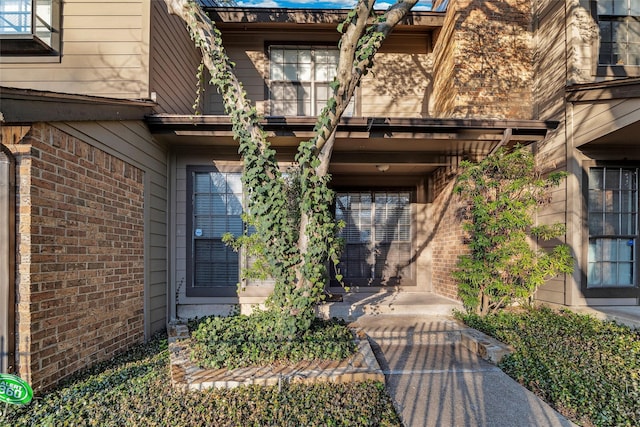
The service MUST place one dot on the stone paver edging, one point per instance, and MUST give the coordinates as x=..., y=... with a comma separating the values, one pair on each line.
x=488, y=348
x=186, y=375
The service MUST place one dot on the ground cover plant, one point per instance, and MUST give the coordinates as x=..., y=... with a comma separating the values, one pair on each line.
x=589, y=370
x=135, y=390
x=240, y=341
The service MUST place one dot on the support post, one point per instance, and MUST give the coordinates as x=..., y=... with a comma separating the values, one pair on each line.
x=7, y=260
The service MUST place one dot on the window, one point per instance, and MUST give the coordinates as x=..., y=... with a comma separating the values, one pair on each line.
x=215, y=209
x=619, y=22
x=29, y=27
x=300, y=78
x=613, y=227
x=377, y=237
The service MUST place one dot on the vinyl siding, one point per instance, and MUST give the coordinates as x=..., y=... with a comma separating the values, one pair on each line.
x=398, y=85
x=550, y=81
x=103, y=52
x=173, y=60
x=597, y=119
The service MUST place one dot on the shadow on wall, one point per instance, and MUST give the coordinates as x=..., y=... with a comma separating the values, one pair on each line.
x=401, y=78
x=493, y=64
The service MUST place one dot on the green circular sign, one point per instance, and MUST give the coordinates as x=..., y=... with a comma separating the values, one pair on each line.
x=14, y=390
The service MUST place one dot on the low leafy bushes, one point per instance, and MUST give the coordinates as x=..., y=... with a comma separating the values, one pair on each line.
x=588, y=369
x=240, y=340
x=135, y=390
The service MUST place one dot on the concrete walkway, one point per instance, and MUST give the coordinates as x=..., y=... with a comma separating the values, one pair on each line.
x=435, y=381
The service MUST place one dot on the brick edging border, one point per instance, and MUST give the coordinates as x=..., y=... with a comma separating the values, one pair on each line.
x=185, y=375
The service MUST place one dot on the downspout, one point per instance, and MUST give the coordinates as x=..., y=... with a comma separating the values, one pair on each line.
x=7, y=260
x=506, y=138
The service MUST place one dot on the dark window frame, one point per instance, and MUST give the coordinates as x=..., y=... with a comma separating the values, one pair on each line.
x=192, y=291
x=608, y=291
x=610, y=69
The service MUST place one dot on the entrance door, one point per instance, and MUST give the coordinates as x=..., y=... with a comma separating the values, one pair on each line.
x=377, y=236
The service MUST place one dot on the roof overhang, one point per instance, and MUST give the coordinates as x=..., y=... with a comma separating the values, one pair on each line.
x=416, y=145
x=600, y=91
x=606, y=117
x=20, y=106
x=260, y=18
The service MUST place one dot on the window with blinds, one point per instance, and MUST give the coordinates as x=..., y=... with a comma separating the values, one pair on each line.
x=377, y=237
x=300, y=78
x=613, y=226
x=215, y=209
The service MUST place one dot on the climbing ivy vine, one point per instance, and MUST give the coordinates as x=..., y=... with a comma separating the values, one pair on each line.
x=295, y=247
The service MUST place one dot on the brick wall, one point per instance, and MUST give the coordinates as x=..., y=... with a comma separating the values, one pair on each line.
x=483, y=60
x=448, y=241
x=80, y=242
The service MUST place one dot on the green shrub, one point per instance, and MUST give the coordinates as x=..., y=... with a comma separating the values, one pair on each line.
x=502, y=193
x=238, y=341
x=135, y=390
x=588, y=369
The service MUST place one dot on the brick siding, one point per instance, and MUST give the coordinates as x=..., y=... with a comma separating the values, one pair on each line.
x=448, y=241
x=484, y=60
x=80, y=250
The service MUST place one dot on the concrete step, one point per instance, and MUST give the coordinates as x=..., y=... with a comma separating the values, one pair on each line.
x=429, y=331
x=407, y=329
x=355, y=305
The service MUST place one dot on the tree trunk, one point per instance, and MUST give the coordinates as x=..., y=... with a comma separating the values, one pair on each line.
x=359, y=43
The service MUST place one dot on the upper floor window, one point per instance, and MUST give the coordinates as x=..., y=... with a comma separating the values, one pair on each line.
x=300, y=78
x=619, y=22
x=29, y=27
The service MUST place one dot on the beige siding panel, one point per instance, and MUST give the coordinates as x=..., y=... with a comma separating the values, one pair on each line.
x=102, y=44
x=102, y=35
x=599, y=119
x=75, y=63
x=551, y=295
x=158, y=215
x=550, y=81
x=129, y=22
x=550, y=49
x=132, y=142
x=154, y=294
x=102, y=8
x=174, y=61
x=101, y=49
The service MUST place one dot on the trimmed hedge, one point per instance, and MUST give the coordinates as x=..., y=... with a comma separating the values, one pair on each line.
x=241, y=341
x=135, y=390
x=589, y=370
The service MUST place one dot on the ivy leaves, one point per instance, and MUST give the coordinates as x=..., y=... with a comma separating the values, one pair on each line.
x=294, y=240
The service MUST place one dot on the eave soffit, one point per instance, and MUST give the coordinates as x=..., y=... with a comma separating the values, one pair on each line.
x=283, y=18
x=19, y=106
